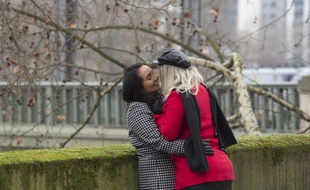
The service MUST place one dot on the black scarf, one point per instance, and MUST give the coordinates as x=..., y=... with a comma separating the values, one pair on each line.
x=193, y=147
x=194, y=151
x=155, y=102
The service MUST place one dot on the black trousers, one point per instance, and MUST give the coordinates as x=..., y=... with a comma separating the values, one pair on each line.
x=219, y=185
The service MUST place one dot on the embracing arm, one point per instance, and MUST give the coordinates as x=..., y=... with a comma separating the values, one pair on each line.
x=173, y=117
x=141, y=122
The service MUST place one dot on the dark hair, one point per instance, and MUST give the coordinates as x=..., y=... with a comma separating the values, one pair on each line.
x=133, y=89
x=132, y=83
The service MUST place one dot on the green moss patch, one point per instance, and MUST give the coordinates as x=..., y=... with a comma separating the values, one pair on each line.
x=51, y=155
x=67, y=168
x=267, y=159
x=273, y=147
x=257, y=142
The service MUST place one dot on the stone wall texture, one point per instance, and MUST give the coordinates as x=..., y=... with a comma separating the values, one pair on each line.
x=277, y=162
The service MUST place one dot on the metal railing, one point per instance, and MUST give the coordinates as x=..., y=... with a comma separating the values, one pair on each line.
x=70, y=103
x=271, y=115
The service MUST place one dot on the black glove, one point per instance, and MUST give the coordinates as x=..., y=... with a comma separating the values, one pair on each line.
x=208, y=148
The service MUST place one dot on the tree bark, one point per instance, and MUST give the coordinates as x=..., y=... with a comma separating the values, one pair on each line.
x=248, y=119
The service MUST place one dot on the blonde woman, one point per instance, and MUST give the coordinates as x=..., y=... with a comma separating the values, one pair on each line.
x=178, y=76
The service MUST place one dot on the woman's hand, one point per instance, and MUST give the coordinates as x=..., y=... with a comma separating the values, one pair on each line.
x=208, y=149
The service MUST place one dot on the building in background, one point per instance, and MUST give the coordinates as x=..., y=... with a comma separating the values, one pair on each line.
x=220, y=20
x=306, y=31
x=272, y=15
x=297, y=38
x=277, y=32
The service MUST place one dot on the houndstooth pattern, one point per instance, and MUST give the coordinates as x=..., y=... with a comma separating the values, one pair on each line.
x=156, y=169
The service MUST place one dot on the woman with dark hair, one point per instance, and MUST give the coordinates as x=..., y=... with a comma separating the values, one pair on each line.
x=141, y=92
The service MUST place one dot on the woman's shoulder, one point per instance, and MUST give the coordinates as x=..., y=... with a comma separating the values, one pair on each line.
x=174, y=95
x=203, y=86
x=141, y=106
x=133, y=104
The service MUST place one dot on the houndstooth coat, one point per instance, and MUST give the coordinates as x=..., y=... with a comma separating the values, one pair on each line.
x=156, y=169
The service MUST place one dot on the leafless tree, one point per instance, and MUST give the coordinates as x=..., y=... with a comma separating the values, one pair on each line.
x=59, y=41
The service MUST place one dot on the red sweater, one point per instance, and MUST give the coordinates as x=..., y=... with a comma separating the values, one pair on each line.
x=173, y=125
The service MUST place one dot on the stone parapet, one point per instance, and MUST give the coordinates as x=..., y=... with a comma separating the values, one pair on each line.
x=277, y=162
x=304, y=84
x=304, y=100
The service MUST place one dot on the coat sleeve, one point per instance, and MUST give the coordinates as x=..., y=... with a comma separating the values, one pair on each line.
x=141, y=122
x=172, y=119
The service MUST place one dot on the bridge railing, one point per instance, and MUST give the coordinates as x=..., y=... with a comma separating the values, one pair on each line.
x=271, y=116
x=70, y=103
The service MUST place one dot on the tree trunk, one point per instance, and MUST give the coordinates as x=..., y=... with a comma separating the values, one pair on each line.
x=248, y=119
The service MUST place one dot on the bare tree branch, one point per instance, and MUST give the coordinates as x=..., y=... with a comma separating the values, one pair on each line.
x=99, y=96
x=277, y=99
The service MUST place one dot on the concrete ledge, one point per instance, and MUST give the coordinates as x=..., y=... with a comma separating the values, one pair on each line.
x=303, y=84
x=89, y=168
x=278, y=162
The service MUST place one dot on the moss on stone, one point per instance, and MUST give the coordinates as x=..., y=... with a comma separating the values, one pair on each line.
x=50, y=155
x=254, y=142
x=67, y=168
x=87, y=167
x=5, y=178
x=275, y=147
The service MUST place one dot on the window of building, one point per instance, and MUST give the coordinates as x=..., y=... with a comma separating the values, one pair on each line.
x=299, y=9
x=273, y=4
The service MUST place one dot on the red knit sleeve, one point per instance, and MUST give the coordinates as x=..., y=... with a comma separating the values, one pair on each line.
x=171, y=121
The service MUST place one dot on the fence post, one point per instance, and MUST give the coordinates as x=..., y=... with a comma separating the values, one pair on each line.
x=264, y=120
x=75, y=104
x=1, y=103
x=279, y=110
x=293, y=98
x=304, y=98
x=47, y=106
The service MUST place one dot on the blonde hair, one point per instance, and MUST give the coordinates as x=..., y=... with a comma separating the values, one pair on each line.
x=182, y=80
